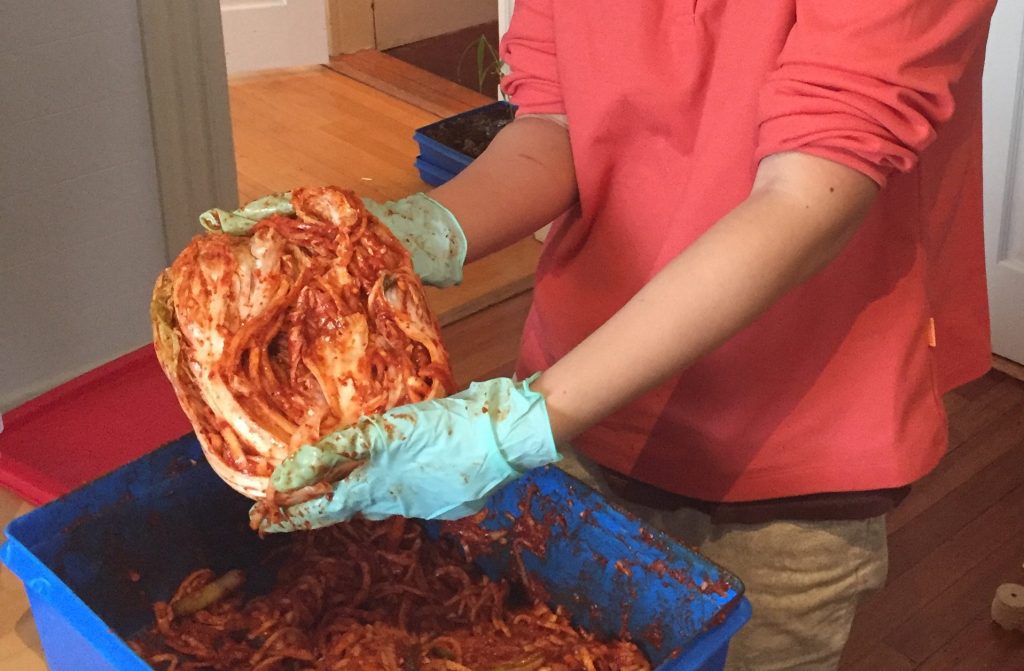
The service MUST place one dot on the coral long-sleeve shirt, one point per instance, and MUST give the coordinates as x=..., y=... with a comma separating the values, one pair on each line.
x=671, y=104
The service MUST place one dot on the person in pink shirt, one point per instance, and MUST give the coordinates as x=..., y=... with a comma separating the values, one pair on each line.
x=765, y=269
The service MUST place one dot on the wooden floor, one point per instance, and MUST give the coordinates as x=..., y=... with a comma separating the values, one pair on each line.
x=957, y=537
x=315, y=127
x=954, y=540
x=408, y=83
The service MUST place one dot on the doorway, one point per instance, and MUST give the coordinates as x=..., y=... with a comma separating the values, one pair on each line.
x=275, y=34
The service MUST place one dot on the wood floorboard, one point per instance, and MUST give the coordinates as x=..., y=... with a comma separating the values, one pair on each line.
x=987, y=406
x=961, y=504
x=906, y=597
x=972, y=389
x=954, y=402
x=989, y=444
x=965, y=602
x=1011, y=368
x=286, y=133
x=983, y=646
x=952, y=542
x=881, y=658
x=407, y=82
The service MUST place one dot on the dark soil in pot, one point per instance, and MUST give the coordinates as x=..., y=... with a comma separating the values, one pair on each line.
x=471, y=133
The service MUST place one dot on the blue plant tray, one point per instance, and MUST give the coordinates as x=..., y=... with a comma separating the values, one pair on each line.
x=95, y=560
x=431, y=174
x=443, y=157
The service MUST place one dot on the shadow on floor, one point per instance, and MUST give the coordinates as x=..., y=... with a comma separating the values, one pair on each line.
x=453, y=56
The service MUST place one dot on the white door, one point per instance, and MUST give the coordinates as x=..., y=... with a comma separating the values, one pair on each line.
x=1004, y=178
x=270, y=34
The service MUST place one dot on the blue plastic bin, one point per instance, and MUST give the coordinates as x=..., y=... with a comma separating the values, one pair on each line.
x=94, y=561
x=441, y=159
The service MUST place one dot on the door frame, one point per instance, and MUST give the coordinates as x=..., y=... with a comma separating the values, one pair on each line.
x=504, y=15
x=187, y=81
x=1003, y=125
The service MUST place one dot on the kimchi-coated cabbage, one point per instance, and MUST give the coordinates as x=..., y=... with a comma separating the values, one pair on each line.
x=275, y=338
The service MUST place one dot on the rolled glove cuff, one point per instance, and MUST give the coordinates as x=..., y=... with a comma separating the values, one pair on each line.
x=524, y=433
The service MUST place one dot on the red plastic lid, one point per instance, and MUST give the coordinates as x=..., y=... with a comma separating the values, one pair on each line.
x=88, y=427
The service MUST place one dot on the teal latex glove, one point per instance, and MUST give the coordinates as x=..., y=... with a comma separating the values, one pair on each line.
x=437, y=459
x=240, y=221
x=426, y=228
x=430, y=232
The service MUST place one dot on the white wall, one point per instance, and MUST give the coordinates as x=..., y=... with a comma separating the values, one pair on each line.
x=271, y=34
x=80, y=234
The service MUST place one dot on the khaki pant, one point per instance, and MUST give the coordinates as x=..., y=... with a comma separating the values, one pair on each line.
x=804, y=579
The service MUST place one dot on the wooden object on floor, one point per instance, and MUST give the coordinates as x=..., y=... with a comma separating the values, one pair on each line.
x=408, y=83
x=1008, y=606
x=319, y=127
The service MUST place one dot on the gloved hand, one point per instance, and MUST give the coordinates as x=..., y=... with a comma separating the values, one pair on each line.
x=426, y=228
x=430, y=232
x=437, y=459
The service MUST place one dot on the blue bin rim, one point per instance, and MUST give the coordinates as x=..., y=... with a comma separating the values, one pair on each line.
x=710, y=642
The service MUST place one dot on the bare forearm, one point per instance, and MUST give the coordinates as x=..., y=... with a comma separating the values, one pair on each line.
x=521, y=182
x=798, y=217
